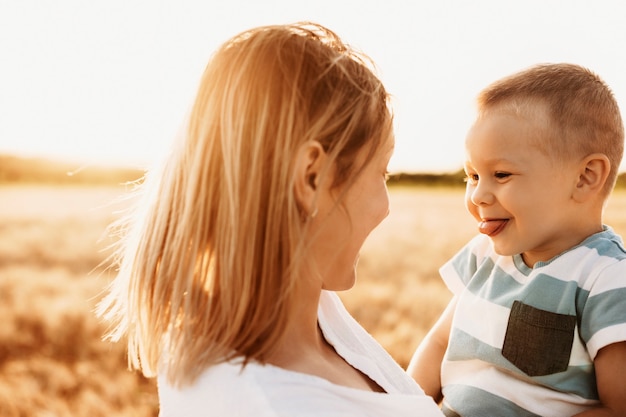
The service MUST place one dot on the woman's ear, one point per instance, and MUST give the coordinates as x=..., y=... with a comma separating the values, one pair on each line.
x=594, y=170
x=308, y=165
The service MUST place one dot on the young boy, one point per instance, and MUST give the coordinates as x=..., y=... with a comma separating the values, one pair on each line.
x=537, y=324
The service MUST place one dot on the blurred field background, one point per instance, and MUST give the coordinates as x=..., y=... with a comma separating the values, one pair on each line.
x=53, y=362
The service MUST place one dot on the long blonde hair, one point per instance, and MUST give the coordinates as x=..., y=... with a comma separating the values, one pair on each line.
x=208, y=264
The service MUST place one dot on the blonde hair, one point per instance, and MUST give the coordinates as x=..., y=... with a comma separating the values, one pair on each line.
x=208, y=267
x=583, y=115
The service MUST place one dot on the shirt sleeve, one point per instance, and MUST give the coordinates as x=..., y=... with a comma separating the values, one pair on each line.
x=603, y=320
x=459, y=270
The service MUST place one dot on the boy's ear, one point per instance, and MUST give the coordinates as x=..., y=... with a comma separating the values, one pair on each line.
x=308, y=165
x=594, y=170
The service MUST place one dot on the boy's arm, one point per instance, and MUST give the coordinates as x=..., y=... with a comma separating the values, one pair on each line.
x=425, y=366
x=610, y=364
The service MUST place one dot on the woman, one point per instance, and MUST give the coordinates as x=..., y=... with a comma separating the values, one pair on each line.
x=227, y=274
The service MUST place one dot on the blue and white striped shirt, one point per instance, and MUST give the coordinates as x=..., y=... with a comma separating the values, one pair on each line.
x=523, y=339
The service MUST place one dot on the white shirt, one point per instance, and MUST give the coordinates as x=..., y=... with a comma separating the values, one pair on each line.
x=269, y=391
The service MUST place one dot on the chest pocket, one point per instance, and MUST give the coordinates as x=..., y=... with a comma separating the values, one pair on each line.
x=538, y=342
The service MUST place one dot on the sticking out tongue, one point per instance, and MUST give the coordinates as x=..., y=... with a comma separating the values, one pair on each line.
x=491, y=227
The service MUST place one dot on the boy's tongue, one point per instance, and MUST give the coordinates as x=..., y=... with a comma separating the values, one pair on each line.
x=490, y=227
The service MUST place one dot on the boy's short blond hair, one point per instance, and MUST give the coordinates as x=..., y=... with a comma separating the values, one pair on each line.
x=584, y=117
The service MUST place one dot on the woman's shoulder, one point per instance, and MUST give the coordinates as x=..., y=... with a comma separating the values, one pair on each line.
x=223, y=389
x=231, y=389
x=228, y=389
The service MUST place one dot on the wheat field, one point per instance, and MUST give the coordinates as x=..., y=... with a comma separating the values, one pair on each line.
x=53, y=362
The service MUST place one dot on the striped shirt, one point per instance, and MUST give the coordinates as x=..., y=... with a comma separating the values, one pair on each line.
x=523, y=339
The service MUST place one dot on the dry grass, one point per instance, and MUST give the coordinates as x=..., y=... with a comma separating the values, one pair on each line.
x=52, y=361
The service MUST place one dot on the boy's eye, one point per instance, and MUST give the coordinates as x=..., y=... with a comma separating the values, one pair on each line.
x=502, y=175
x=471, y=178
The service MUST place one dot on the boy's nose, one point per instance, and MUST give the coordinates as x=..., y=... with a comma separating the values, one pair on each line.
x=480, y=195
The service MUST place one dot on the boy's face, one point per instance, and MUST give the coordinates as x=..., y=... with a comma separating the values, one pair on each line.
x=520, y=196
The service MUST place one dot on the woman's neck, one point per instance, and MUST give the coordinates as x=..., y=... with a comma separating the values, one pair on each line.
x=304, y=349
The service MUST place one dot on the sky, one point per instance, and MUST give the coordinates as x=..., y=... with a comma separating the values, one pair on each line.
x=110, y=81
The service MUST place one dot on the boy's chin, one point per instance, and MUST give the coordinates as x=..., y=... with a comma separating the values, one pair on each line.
x=503, y=251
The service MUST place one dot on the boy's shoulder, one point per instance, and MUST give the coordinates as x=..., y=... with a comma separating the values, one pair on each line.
x=600, y=257
x=605, y=243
